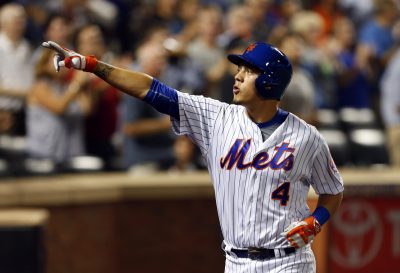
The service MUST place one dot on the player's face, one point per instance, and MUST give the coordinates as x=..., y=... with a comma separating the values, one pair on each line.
x=244, y=89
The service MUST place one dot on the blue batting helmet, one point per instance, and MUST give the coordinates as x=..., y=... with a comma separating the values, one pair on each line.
x=275, y=68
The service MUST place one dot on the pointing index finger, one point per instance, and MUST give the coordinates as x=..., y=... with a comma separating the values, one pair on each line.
x=56, y=47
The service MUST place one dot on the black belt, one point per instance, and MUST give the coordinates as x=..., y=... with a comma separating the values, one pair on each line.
x=254, y=253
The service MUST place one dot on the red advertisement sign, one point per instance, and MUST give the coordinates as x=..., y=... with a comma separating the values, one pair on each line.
x=366, y=236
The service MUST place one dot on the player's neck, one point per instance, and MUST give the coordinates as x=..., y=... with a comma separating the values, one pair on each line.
x=263, y=111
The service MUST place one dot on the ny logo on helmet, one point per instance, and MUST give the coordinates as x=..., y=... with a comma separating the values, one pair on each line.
x=250, y=47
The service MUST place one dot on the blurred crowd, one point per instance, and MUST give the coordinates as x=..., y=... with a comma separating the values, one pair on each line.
x=345, y=56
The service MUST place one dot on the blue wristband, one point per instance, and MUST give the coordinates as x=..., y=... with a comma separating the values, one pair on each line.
x=322, y=215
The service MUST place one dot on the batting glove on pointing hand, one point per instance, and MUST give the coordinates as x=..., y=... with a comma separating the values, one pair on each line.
x=70, y=59
x=303, y=232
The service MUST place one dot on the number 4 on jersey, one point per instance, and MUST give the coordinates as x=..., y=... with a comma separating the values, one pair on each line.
x=282, y=193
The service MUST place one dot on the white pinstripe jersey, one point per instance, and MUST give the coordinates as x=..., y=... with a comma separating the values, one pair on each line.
x=260, y=186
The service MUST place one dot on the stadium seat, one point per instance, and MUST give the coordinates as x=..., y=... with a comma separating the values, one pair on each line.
x=368, y=147
x=35, y=166
x=353, y=118
x=13, y=152
x=327, y=119
x=338, y=144
x=84, y=164
x=13, y=144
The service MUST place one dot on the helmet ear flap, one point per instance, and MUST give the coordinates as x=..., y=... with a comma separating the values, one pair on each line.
x=263, y=85
x=271, y=84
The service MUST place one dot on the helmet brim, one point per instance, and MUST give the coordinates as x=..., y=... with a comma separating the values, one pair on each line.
x=241, y=60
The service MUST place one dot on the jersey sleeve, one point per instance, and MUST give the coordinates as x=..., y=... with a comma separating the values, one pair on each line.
x=325, y=177
x=197, y=116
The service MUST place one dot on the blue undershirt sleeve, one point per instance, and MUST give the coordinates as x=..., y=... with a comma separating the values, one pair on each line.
x=163, y=98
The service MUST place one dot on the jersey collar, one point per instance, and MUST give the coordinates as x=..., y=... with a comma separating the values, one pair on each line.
x=279, y=118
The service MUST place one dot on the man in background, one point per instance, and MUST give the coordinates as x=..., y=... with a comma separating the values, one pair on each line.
x=16, y=69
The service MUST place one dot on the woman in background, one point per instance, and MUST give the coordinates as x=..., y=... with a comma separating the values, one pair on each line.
x=56, y=109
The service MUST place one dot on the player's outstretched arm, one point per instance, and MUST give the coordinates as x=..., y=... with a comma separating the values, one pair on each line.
x=133, y=83
x=303, y=232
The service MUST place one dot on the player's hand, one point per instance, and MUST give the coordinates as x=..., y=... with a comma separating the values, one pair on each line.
x=303, y=232
x=70, y=59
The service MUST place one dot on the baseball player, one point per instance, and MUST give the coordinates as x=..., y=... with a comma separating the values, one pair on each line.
x=262, y=160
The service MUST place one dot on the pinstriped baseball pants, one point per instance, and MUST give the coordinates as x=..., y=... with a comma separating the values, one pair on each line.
x=302, y=261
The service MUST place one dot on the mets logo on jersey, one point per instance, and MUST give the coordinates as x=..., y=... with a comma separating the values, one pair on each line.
x=283, y=157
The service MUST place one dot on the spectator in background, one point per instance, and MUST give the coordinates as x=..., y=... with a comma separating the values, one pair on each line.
x=56, y=28
x=56, y=108
x=279, y=18
x=147, y=139
x=300, y=94
x=239, y=28
x=376, y=34
x=329, y=12
x=315, y=58
x=16, y=68
x=204, y=49
x=82, y=12
x=352, y=71
x=156, y=13
x=358, y=11
x=260, y=29
x=182, y=71
x=239, y=23
x=187, y=14
x=101, y=123
x=36, y=19
x=390, y=107
x=376, y=43
x=185, y=155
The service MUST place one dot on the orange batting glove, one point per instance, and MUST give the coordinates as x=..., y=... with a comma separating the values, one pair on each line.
x=70, y=59
x=303, y=232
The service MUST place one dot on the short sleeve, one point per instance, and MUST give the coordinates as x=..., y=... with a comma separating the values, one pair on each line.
x=325, y=177
x=197, y=116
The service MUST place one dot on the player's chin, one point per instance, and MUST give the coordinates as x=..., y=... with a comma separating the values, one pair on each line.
x=237, y=100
